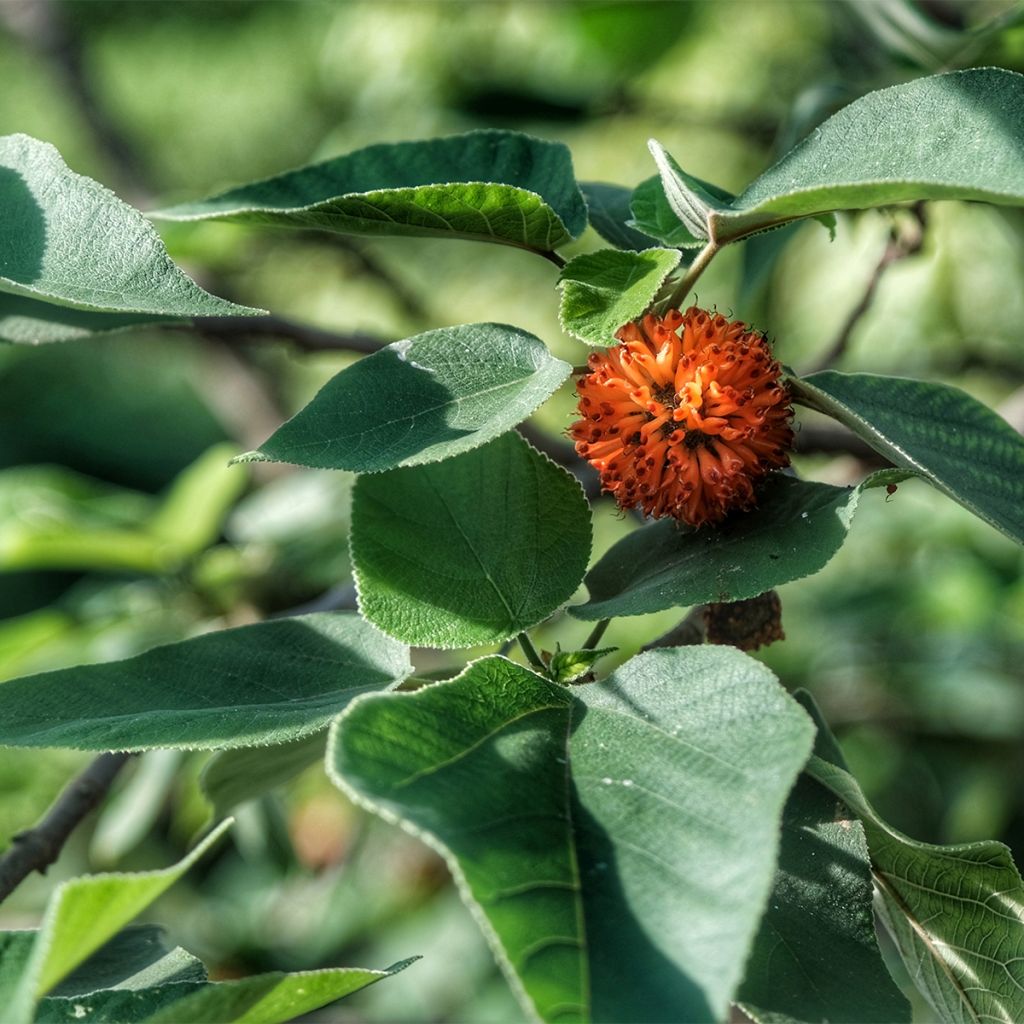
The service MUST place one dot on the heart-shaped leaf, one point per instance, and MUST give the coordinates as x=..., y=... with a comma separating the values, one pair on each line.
x=617, y=839
x=471, y=550
x=603, y=290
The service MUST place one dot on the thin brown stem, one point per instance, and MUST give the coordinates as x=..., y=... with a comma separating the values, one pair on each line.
x=901, y=244
x=37, y=848
x=240, y=329
x=551, y=257
x=45, y=26
x=595, y=635
x=687, y=633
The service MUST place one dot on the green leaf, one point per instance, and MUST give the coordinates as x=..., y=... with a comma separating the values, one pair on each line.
x=689, y=198
x=956, y=913
x=653, y=215
x=113, y=1006
x=616, y=840
x=131, y=812
x=950, y=136
x=271, y=998
x=81, y=916
x=421, y=400
x=816, y=957
x=232, y=777
x=469, y=551
x=193, y=510
x=267, y=683
x=136, y=957
x=566, y=666
x=796, y=529
x=939, y=432
x=167, y=992
x=608, y=207
x=70, y=243
x=133, y=972
x=603, y=290
x=493, y=186
x=32, y=322
x=53, y=517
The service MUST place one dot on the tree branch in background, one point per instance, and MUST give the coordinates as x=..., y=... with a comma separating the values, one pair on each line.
x=39, y=847
x=44, y=26
x=239, y=329
x=906, y=238
x=812, y=439
x=687, y=633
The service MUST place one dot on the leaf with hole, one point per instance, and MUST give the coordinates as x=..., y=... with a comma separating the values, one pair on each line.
x=603, y=290
x=420, y=400
x=472, y=550
x=75, y=259
x=492, y=186
x=617, y=841
x=934, y=430
x=267, y=683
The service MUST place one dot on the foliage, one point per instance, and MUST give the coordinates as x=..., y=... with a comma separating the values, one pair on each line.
x=670, y=834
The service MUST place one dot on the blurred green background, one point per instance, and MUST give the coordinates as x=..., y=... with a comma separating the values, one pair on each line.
x=121, y=527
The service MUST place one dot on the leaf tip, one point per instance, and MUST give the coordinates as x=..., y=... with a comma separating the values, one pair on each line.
x=246, y=457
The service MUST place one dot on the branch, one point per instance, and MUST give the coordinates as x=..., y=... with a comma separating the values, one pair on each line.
x=339, y=598
x=687, y=633
x=39, y=847
x=235, y=329
x=812, y=439
x=903, y=242
x=45, y=27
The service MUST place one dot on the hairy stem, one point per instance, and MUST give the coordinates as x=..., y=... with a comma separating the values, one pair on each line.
x=595, y=635
x=240, y=329
x=531, y=653
x=551, y=257
x=685, y=284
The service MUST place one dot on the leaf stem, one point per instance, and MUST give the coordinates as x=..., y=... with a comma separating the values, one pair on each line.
x=595, y=635
x=551, y=256
x=531, y=653
x=689, y=279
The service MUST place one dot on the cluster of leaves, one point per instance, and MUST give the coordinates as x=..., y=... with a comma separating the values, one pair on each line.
x=619, y=841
